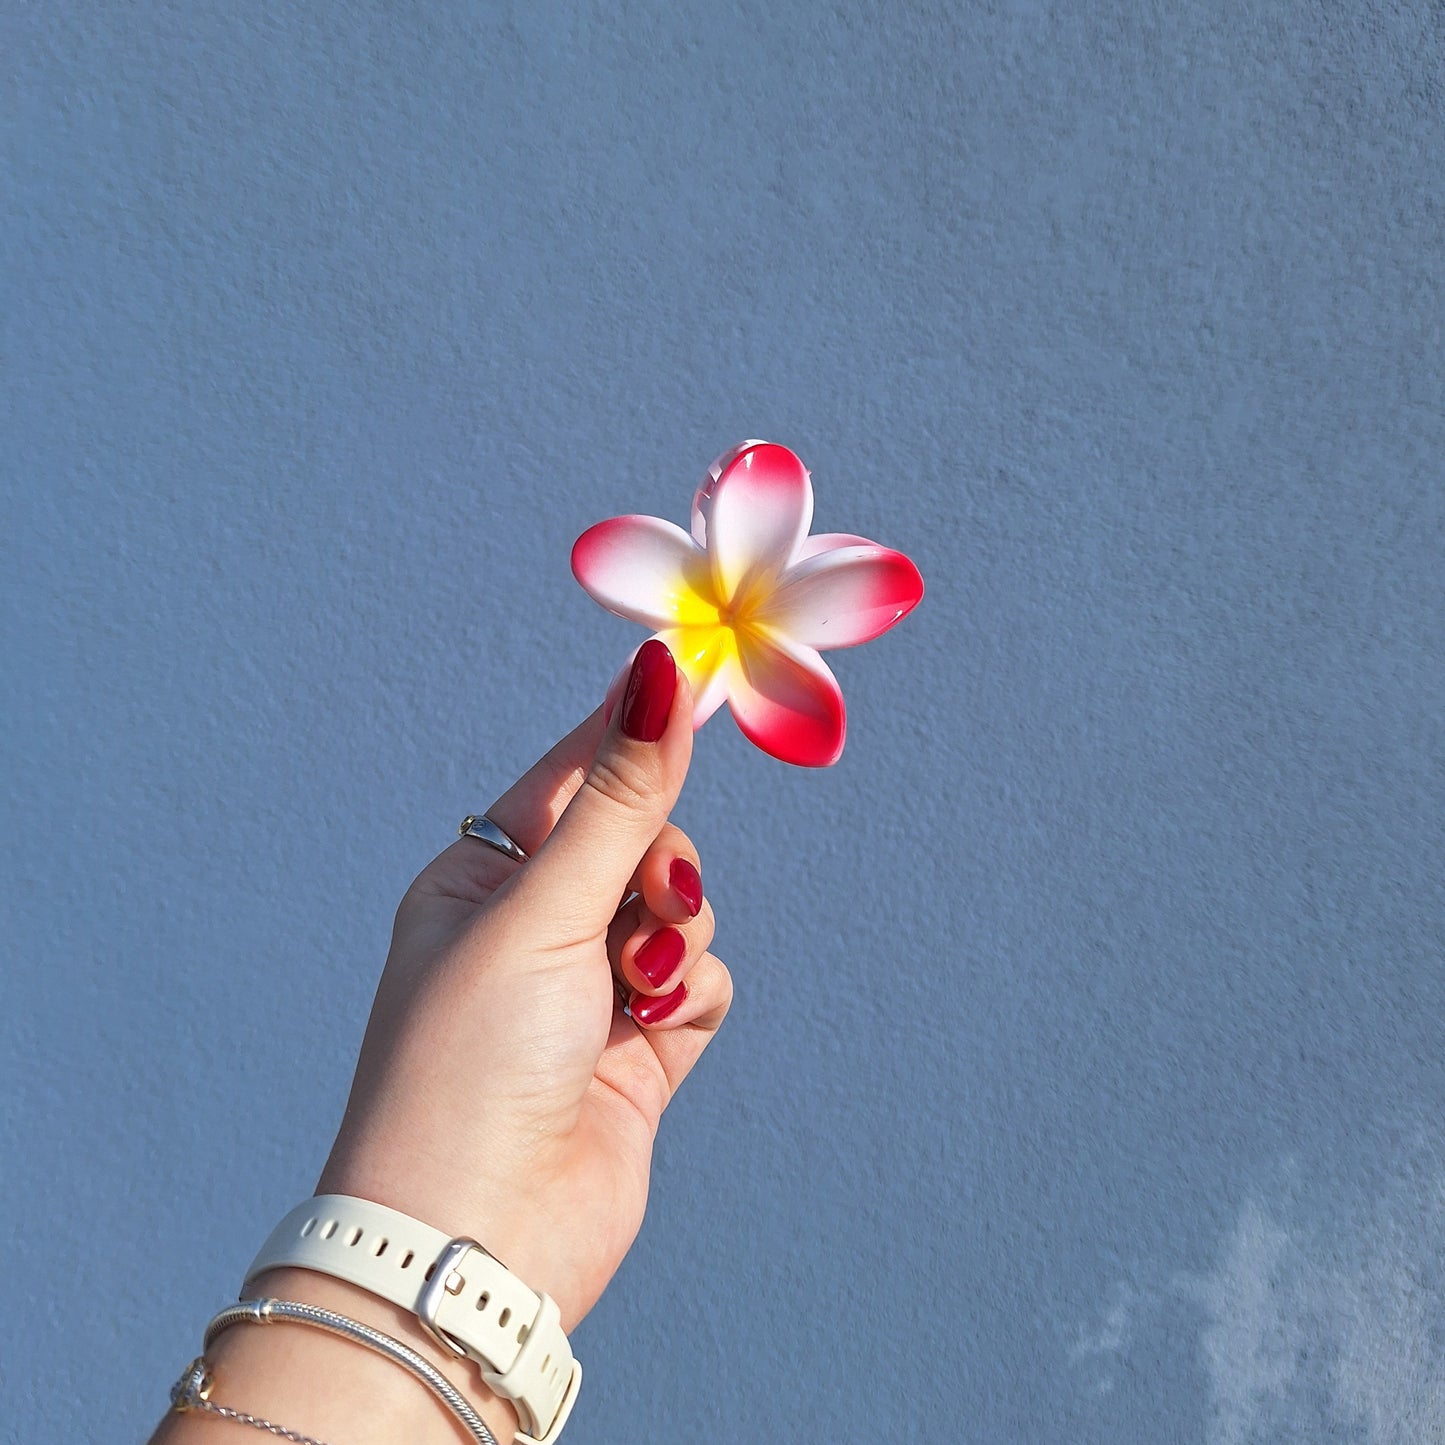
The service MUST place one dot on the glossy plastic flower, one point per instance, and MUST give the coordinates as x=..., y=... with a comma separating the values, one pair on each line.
x=748, y=600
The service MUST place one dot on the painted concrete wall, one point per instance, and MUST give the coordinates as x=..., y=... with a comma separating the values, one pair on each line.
x=1085, y=1074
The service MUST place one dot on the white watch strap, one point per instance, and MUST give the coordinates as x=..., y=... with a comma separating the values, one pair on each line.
x=470, y=1301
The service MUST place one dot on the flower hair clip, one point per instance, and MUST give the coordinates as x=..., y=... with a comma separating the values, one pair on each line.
x=746, y=603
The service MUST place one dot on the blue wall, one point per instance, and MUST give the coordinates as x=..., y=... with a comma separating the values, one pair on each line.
x=1085, y=1075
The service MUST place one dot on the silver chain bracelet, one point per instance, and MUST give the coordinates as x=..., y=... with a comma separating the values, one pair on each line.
x=191, y=1391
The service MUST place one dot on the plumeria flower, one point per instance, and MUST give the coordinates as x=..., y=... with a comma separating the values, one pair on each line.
x=747, y=601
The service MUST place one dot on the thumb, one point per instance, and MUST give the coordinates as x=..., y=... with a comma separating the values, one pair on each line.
x=575, y=880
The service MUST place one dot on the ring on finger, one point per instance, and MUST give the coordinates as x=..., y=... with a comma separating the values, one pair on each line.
x=479, y=826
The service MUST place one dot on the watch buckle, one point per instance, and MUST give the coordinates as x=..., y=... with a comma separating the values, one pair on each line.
x=439, y=1285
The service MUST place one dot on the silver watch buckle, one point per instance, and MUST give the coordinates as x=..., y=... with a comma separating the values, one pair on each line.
x=439, y=1286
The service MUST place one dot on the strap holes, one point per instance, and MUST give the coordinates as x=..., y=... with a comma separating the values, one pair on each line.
x=482, y=1300
x=329, y=1228
x=431, y=1269
x=521, y=1333
x=545, y=1363
x=406, y=1263
x=502, y=1318
x=308, y=1226
x=355, y=1238
x=379, y=1248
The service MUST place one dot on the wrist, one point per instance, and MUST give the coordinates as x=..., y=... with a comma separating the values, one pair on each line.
x=359, y=1304
x=470, y=1304
x=525, y=1237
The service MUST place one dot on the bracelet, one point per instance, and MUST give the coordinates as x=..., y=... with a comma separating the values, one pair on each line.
x=193, y=1392
x=267, y=1311
x=461, y=1293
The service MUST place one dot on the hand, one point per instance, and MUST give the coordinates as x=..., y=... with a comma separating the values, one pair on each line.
x=502, y=1093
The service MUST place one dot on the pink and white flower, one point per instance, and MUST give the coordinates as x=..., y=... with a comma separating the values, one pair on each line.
x=749, y=599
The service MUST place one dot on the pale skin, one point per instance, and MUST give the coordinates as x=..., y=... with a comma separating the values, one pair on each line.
x=501, y=1092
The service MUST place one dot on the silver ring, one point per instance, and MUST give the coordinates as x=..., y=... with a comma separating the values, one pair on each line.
x=478, y=825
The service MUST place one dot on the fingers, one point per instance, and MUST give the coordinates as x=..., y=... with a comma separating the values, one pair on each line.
x=669, y=877
x=696, y=1007
x=470, y=870
x=531, y=806
x=529, y=810
x=698, y=1002
x=647, y=1062
x=581, y=870
x=650, y=955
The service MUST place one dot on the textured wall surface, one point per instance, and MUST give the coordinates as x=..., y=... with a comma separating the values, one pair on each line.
x=1084, y=1081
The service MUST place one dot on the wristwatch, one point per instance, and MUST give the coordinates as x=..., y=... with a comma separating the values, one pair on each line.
x=469, y=1301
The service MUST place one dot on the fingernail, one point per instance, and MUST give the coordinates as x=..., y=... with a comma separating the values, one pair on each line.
x=662, y=953
x=647, y=1009
x=686, y=882
x=648, y=699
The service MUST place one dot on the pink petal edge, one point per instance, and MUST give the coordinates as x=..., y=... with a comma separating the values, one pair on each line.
x=635, y=566
x=788, y=703
x=843, y=596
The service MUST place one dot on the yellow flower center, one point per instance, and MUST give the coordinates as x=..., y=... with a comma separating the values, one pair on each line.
x=713, y=630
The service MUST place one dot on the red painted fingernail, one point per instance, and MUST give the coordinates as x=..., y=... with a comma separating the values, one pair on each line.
x=686, y=882
x=650, y=1010
x=648, y=699
x=662, y=953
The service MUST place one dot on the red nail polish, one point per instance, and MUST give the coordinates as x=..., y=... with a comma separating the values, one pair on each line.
x=649, y=1010
x=686, y=882
x=662, y=953
x=648, y=699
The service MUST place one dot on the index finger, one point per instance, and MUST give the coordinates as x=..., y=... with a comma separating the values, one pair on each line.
x=527, y=812
x=529, y=809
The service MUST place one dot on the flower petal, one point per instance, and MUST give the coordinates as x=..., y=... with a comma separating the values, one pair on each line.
x=702, y=499
x=787, y=701
x=708, y=655
x=752, y=517
x=844, y=596
x=642, y=568
x=827, y=541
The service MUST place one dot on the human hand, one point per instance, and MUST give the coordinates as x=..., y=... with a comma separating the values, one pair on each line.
x=501, y=1092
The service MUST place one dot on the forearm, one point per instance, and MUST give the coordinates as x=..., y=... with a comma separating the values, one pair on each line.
x=332, y=1389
